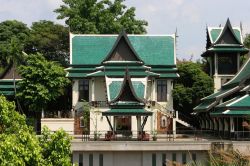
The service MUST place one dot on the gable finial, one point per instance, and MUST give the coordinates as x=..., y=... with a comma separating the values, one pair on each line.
x=176, y=33
x=241, y=29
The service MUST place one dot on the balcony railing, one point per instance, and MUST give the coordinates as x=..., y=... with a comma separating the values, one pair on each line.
x=58, y=114
x=101, y=104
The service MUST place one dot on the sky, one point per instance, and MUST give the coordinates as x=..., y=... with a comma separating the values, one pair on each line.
x=188, y=17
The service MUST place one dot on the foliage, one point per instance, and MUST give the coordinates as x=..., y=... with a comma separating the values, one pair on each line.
x=100, y=17
x=192, y=85
x=13, y=35
x=228, y=158
x=55, y=147
x=49, y=39
x=20, y=146
x=42, y=82
x=247, y=41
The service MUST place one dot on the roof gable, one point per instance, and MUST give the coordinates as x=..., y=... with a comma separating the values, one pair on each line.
x=214, y=33
x=127, y=93
x=122, y=50
x=227, y=36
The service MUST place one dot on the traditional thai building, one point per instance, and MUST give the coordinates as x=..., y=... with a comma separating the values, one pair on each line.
x=226, y=111
x=127, y=81
x=8, y=79
x=223, y=51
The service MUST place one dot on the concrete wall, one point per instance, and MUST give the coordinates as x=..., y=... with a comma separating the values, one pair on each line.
x=56, y=123
x=138, y=158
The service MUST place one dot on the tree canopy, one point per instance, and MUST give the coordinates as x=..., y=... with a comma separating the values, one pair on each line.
x=43, y=81
x=100, y=17
x=192, y=85
x=13, y=35
x=20, y=146
x=49, y=39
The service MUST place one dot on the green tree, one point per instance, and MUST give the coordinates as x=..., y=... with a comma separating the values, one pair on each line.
x=49, y=39
x=247, y=41
x=13, y=35
x=20, y=146
x=42, y=82
x=55, y=147
x=192, y=85
x=100, y=17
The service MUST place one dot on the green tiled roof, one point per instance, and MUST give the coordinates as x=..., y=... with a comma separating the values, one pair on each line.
x=243, y=74
x=7, y=87
x=131, y=112
x=115, y=87
x=121, y=73
x=153, y=50
x=215, y=32
x=204, y=105
x=230, y=112
x=228, y=49
x=221, y=92
x=76, y=75
x=169, y=75
x=242, y=102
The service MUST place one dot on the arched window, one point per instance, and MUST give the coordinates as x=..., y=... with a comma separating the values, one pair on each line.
x=163, y=121
x=82, y=121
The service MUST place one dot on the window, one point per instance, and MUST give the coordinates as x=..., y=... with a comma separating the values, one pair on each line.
x=163, y=121
x=80, y=160
x=161, y=90
x=153, y=159
x=90, y=159
x=82, y=122
x=100, y=159
x=164, y=159
x=227, y=64
x=184, y=158
x=84, y=90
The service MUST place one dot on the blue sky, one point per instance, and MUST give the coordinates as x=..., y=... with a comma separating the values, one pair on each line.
x=190, y=17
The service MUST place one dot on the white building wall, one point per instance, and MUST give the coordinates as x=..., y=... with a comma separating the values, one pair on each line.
x=55, y=124
x=100, y=89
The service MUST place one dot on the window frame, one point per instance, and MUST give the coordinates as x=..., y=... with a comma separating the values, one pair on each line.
x=161, y=85
x=83, y=90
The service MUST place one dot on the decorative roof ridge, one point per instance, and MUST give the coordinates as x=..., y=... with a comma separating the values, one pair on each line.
x=116, y=35
x=126, y=80
x=227, y=26
x=242, y=97
x=122, y=35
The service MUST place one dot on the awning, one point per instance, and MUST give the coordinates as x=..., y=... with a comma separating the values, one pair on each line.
x=127, y=112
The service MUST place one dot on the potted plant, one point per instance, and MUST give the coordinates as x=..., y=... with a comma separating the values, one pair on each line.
x=154, y=133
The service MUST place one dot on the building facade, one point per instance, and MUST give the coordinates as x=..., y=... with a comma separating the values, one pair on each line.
x=226, y=111
x=126, y=80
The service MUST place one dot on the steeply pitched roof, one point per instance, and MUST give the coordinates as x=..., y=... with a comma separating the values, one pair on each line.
x=233, y=87
x=224, y=39
x=217, y=33
x=151, y=49
x=122, y=50
x=127, y=92
x=228, y=36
